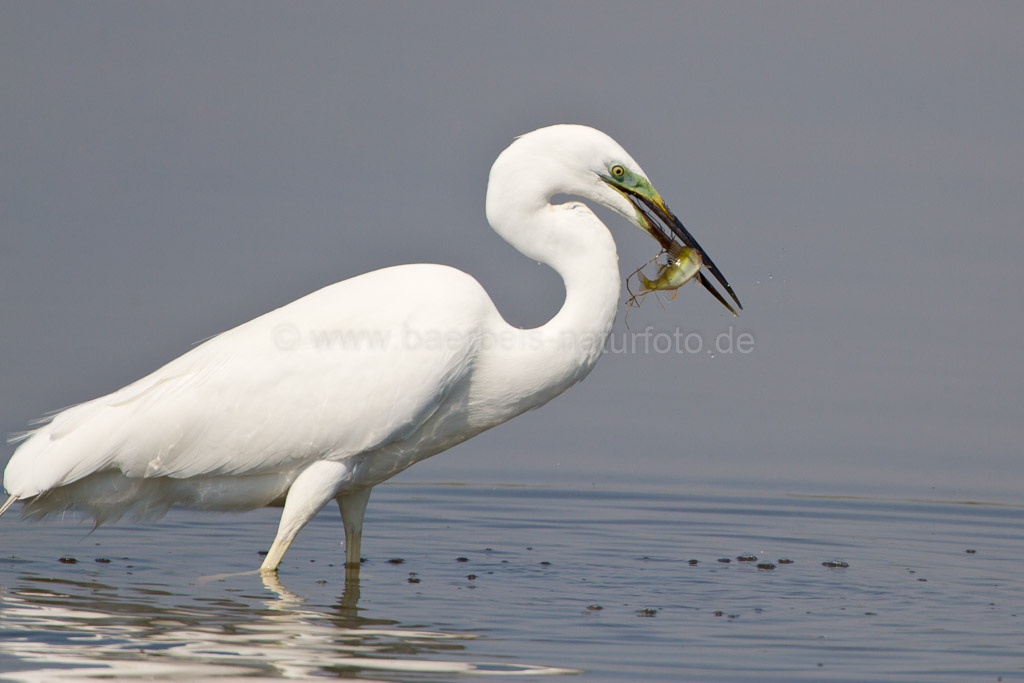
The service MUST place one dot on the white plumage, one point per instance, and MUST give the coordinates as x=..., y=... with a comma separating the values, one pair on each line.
x=336, y=392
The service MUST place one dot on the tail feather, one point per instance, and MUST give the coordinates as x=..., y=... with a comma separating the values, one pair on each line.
x=48, y=457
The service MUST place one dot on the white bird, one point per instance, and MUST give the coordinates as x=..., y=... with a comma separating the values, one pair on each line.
x=338, y=391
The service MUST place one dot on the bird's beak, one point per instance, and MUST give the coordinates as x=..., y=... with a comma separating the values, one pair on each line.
x=657, y=219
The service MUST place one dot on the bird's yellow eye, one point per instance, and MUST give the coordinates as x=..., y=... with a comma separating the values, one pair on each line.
x=617, y=171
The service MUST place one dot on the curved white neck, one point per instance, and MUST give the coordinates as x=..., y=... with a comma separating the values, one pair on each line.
x=583, y=253
x=536, y=365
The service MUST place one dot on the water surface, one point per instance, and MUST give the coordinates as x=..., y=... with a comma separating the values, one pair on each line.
x=470, y=581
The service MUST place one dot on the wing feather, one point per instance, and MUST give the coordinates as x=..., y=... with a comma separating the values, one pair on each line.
x=345, y=370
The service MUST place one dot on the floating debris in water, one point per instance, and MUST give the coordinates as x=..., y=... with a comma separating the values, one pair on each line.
x=693, y=563
x=462, y=559
x=595, y=608
x=746, y=557
x=396, y=560
x=785, y=560
x=724, y=560
x=970, y=551
x=765, y=565
x=68, y=560
x=646, y=612
x=835, y=564
x=102, y=560
x=471, y=577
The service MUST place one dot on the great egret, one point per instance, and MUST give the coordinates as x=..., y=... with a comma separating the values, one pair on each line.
x=334, y=393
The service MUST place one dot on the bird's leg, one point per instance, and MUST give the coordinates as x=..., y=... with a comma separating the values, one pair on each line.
x=353, y=505
x=307, y=495
x=10, y=502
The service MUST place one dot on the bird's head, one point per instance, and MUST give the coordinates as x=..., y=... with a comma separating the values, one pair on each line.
x=582, y=161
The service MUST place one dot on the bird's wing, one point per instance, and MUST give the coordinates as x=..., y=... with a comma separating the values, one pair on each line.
x=342, y=371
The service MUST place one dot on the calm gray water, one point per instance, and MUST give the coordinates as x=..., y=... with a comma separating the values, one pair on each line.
x=592, y=585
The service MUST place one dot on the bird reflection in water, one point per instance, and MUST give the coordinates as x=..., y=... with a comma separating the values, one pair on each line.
x=68, y=629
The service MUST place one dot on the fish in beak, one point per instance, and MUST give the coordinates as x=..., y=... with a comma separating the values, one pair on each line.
x=654, y=216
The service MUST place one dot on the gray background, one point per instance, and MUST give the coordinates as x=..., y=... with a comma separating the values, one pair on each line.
x=170, y=170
